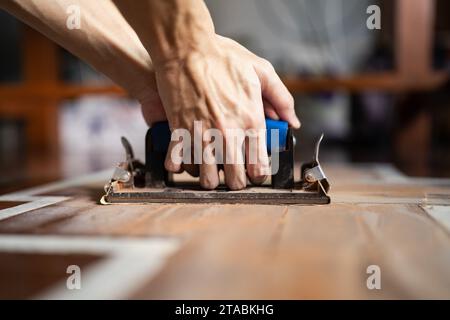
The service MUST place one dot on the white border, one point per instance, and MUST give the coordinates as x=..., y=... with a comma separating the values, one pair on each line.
x=36, y=202
x=125, y=263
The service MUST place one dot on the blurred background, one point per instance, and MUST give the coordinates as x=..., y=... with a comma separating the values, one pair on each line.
x=378, y=95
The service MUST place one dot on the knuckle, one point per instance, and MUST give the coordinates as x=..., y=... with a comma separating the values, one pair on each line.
x=267, y=65
x=237, y=184
x=250, y=121
x=253, y=120
x=171, y=167
x=288, y=101
x=208, y=183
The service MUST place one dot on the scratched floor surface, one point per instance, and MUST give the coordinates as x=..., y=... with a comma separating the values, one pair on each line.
x=378, y=217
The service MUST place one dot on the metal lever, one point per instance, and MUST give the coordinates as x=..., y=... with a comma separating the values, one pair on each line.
x=313, y=176
x=129, y=152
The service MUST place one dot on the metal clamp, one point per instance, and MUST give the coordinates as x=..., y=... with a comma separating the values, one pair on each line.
x=313, y=176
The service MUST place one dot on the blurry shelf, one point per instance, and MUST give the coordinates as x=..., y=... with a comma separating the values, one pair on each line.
x=390, y=82
x=59, y=91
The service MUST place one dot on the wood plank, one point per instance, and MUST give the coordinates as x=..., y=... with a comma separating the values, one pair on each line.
x=259, y=251
x=312, y=253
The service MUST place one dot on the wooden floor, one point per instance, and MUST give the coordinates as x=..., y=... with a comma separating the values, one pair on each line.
x=377, y=217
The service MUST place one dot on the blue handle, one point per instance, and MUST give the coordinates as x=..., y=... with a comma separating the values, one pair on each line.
x=161, y=135
x=282, y=127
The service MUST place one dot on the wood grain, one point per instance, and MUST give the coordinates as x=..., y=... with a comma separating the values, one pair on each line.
x=376, y=217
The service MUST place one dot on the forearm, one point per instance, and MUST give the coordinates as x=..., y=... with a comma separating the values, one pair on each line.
x=169, y=29
x=105, y=40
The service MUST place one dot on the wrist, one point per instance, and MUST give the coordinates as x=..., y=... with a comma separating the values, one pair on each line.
x=187, y=55
x=184, y=28
x=181, y=51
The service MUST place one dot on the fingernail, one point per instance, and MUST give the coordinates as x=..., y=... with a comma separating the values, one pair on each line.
x=296, y=123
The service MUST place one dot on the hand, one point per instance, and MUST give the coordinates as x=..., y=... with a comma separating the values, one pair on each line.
x=277, y=100
x=203, y=77
x=148, y=96
x=224, y=86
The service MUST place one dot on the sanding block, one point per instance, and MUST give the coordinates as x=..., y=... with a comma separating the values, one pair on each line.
x=149, y=182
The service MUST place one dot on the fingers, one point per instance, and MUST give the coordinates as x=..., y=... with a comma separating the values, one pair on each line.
x=275, y=92
x=235, y=177
x=174, y=157
x=236, y=172
x=270, y=111
x=234, y=167
x=257, y=160
x=209, y=174
x=174, y=162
